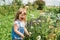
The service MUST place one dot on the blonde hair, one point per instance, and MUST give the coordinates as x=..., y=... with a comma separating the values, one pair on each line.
x=18, y=13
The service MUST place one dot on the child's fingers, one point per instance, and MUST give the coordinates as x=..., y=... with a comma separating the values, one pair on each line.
x=22, y=36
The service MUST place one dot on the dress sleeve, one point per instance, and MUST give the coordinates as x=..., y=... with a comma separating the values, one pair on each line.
x=16, y=22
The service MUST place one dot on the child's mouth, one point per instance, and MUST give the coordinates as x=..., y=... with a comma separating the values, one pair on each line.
x=22, y=18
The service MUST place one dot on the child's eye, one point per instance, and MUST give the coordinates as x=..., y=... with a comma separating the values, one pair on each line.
x=20, y=12
x=24, y=13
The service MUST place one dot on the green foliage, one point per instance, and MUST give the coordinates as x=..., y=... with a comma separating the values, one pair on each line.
x=40, y=25
x=55, y=10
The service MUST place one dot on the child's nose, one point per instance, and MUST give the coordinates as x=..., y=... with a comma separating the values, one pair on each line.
x=22, y=15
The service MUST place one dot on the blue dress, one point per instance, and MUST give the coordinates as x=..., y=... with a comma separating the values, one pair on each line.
x=20, y=29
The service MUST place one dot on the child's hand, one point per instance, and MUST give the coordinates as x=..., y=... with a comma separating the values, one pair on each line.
x=22, y=36
x=29, y=35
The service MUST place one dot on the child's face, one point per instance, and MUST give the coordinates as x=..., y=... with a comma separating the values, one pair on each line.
x=22, y=15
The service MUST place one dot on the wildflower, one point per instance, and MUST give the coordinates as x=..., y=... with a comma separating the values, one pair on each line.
x=30, y=33
x=49, y=39
x=27, y=6
x=42, y=14
x=58, y=16
x=32, y=27
x=32, y=15
x=39, y=37
x=50, y=26
x=34, y=21
x=37, y=23
x=54, y=35
x=56, y=29
x=39, y=20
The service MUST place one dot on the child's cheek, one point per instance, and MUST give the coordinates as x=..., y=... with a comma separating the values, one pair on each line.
x=19, y=16
x=24, y=16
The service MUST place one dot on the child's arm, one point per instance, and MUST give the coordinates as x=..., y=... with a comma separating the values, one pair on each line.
x=16, y=30
x=26, y=31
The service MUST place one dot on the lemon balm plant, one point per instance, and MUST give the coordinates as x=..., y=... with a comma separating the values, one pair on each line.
x=44, y=26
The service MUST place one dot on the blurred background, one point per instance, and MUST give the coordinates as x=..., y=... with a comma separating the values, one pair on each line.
x=43, y=18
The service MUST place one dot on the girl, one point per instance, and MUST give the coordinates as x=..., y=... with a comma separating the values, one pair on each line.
x=19, y=26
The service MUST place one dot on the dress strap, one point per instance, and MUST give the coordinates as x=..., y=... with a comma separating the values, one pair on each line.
x=19, y=22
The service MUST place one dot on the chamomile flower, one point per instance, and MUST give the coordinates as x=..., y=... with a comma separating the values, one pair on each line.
x=30, y=33
x=38, y=37
x=32, y=27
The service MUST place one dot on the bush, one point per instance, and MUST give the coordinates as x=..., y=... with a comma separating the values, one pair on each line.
x=40, y=4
